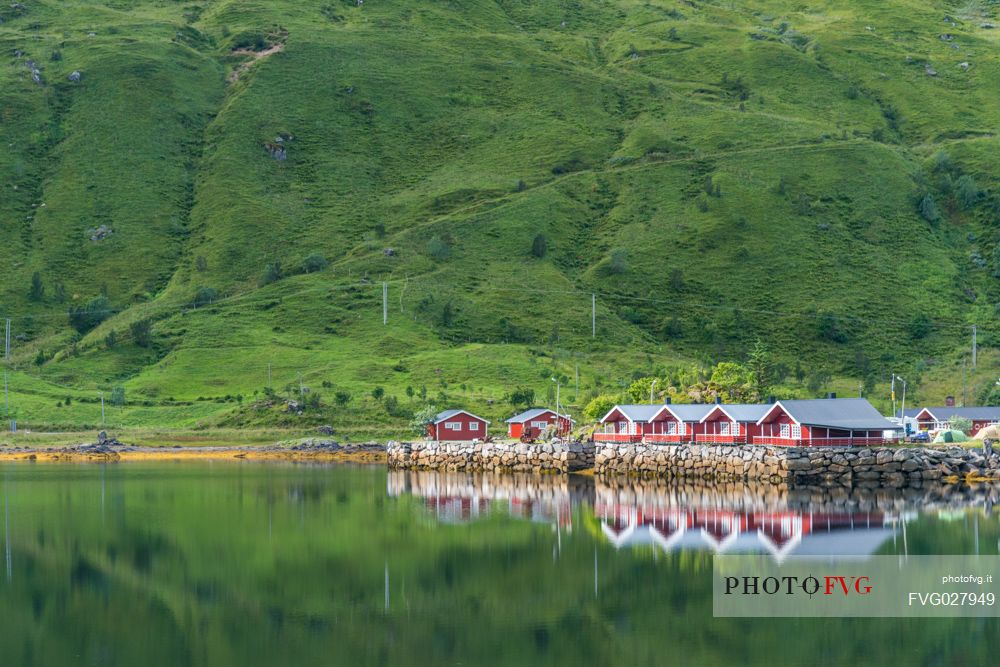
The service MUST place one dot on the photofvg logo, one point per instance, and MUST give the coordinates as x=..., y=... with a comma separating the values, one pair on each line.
x=828, y=584
x=876, y=586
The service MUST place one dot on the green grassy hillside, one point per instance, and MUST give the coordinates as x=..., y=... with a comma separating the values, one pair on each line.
x=820, y=177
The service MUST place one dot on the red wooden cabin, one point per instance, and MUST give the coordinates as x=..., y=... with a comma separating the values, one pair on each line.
x=531, y=423
x=678, y=423
x=938, y=417
x=823, y=422
x=457, y=425
x=734, y=423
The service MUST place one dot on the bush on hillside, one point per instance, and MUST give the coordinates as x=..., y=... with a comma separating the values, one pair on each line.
x=272, y=274
x=599, y=406
x=315, y=262
x=37, y=290
x=966, y=192
x=204, y=296
x=521, y=396
x=141, y=332
x=928, y=209
x=85, y=318
x=539, y=246
x=618, y=261
x=438, y=248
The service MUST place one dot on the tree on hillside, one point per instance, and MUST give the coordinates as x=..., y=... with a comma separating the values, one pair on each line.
x=828, y=327
x=732, y=381
x=141, y=332
x=60, y=293
x=920, y=326
x=315, y=262
x=638, y=391
x=378, y=393
x=422, y=418
x=37, y=290
x=760, y=363
x=618, y=261
x=85, y=318
x=539, y=246
x=521, y=396
x=966, y=192
x=438, y=249
x=599, y=406
x=928, y=209
x=272, y=274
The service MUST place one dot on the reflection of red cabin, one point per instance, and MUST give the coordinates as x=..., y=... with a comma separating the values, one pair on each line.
x=457, y=425
x=823, y=422
x=733, y=423
x=531, y=423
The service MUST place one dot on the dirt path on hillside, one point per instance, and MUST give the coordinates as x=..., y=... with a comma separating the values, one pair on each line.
x=256, y=56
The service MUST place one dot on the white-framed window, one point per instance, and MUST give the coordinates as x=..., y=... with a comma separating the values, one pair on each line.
x=453, y=426
x=623, y=427
x=796, y=432
x=671, y=428
x=539, y=424
x=473, y=426
x=786, y=431
x=724, y=428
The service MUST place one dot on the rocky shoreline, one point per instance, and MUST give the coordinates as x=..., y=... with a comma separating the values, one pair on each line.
x=556, y=456
x=880, y=466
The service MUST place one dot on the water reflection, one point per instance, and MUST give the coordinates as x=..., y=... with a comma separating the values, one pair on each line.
x=728, y=518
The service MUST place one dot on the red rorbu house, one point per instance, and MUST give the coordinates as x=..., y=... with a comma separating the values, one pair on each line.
x=531, y=423
x=626, y=423
x=677, y=423
x=734, y=423
x=457, y=425
x=933, y=418
x=823, y=422
x=651, y=423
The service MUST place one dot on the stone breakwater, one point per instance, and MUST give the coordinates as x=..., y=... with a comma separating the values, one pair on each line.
x=882, y=466
x=491, y=456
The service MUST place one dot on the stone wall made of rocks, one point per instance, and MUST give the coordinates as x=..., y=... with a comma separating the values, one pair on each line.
x=882, y=466
x=491, y=456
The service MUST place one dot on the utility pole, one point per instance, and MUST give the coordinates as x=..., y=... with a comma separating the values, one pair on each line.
x=651, y=385
x=973, y=347
x=593, y=316
x=6, y=396
x=269, y=374
x=558, y=413
x=102, y=409
x=385, y=302
x=964, y=360
x=902, y=409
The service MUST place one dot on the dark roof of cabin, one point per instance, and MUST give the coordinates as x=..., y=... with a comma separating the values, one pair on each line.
x=839, y=413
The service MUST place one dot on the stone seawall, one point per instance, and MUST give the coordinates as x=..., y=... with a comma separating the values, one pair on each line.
x=491, y=457
x=882, y=466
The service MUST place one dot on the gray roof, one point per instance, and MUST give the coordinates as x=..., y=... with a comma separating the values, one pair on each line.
x=743, y=412
x=448, y=414
x=636, y=413
x=690, y=412
x=839, y=413
x=531, y=413
x=945, y=412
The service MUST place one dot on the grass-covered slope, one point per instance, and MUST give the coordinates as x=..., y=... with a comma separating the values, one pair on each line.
x=717, y=173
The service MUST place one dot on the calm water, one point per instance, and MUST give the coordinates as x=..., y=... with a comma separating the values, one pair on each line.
x=188, y=564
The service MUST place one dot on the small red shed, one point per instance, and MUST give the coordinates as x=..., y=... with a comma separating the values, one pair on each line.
x=457, y=425
x=531, y=423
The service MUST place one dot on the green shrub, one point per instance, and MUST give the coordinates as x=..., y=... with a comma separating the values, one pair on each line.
x=87, y=317
x=141, y=332
x=315, y=262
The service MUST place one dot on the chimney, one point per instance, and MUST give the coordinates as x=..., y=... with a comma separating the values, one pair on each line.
x=718, y=400
x=831, y=394
x=949, y=401
x=666, y=401
x=771, y=400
